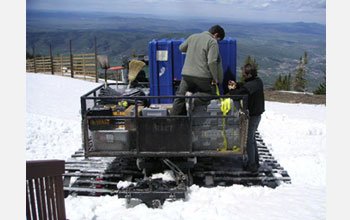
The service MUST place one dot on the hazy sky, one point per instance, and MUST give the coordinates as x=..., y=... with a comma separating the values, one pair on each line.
x=256, y=10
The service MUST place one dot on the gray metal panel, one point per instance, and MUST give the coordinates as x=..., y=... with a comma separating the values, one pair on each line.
x=111, y=140
x=164, y=134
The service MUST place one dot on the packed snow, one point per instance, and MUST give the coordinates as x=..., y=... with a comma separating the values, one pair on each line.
x=295, y=134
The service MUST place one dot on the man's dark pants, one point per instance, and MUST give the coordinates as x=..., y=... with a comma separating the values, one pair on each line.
x=252, y=149
x=191, y=84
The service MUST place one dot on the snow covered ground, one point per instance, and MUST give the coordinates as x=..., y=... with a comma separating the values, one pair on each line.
x=295, y=134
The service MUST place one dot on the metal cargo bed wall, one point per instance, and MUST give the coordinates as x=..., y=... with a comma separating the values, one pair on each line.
x=166, y=62
x=142, y=131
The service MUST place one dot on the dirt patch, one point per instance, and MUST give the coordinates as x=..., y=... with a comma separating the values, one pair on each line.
x=287, y=97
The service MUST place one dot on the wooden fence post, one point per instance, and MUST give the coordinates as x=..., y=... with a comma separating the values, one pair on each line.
x=34, y=59
x=96, y=60
x=71, y=59
x=51, y=59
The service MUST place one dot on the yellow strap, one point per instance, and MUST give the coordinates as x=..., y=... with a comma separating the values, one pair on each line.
x=225, y=108
x=225, y=103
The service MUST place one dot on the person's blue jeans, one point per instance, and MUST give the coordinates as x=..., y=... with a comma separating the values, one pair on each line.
x=252, y=149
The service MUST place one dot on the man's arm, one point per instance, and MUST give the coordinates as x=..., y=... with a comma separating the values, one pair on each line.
x=237, y=88
x=183, y=47
x=214, y=62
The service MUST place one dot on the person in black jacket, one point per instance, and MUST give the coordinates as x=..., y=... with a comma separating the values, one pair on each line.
x=254, y=88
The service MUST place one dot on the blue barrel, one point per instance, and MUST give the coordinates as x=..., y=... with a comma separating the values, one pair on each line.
x=161, y=69
x=228, y=53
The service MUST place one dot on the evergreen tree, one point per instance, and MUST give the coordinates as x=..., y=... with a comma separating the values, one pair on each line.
x=284, y=84
x=289, y=82
x=251, y=61
x=133, y=53
x=278, y=83
x=300, y=71
x=321, y=90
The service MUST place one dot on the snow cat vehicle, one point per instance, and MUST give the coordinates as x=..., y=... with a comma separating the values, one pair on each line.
x=128, y=136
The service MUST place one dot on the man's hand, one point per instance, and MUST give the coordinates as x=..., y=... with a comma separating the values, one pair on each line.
x=214, y=82
x=232, y=84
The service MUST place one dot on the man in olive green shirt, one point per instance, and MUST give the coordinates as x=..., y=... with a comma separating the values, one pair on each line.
x=202, y=68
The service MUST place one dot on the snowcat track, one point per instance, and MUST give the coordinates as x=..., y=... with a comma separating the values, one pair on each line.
x=225, y=171
x=99, y=176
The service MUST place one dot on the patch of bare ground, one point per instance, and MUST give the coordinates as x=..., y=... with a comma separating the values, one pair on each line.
x=292, y=97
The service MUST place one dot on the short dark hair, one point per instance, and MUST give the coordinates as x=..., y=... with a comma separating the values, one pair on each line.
x=219, y=30
x=250, y=69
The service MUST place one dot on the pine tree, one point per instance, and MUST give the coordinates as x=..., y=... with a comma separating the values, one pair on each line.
x=251, y=61
x=284, y=83
x=278, y=83
x=321, y=90
x=300, y=71
x=133, y=53
x=289, y=82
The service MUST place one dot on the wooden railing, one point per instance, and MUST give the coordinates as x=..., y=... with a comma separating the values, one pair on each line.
x=61, y=65
x=44, y=190
x=84, y=64
x=78, y=65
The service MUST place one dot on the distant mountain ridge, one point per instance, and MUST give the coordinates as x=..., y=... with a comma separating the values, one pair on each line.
x=276, y=46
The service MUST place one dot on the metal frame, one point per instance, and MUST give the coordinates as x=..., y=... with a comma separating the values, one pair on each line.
x=92, y=95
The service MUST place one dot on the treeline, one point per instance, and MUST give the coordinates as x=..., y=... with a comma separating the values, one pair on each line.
x=299, y=83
